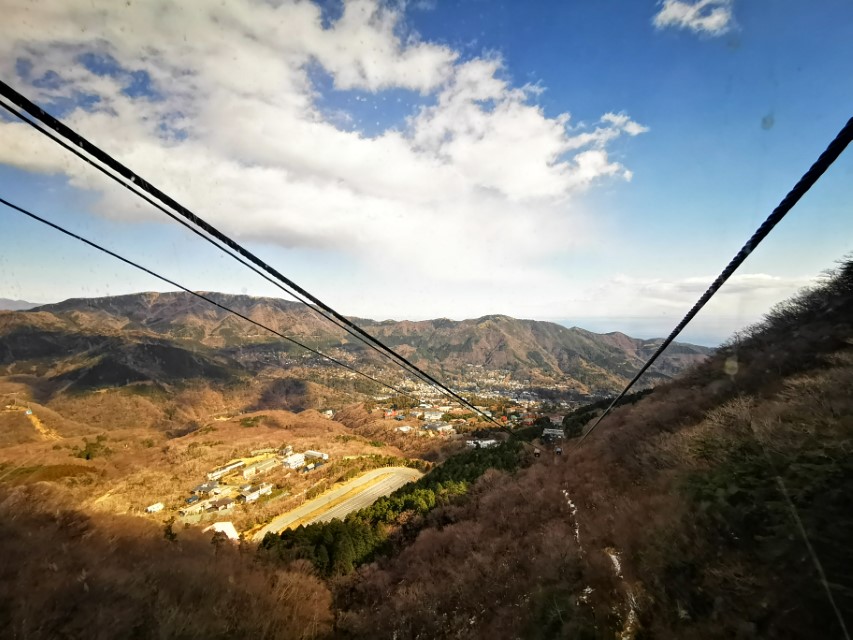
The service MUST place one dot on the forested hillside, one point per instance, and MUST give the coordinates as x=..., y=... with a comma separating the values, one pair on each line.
x=117, y=335
x=677, y=519
x=707, y=508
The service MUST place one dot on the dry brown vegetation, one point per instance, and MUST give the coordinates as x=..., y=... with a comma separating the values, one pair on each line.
x=674, y=520
x=77, y=575
x=372, y=427
x=144, y=466
x=683, y=488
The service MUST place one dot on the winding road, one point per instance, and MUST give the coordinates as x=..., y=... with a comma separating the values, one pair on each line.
x=337, y=503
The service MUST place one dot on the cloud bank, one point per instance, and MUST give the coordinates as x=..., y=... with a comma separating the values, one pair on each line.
x=222, y=106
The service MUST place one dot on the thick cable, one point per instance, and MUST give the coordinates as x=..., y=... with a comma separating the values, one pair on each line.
x=188, y=226
x=73, y=137
x=201, y=296
x=830, y=155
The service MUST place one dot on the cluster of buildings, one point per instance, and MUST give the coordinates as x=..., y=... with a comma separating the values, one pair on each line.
x=217, y=495
x=305, y=461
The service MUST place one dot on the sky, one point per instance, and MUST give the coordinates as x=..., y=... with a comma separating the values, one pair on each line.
x=591, y=163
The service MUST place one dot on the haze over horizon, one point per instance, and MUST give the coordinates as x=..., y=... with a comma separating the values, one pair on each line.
x=438, y=159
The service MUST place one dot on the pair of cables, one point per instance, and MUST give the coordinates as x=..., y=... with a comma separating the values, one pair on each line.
x=31, y=114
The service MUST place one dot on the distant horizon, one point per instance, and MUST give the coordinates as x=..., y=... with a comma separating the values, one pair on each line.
x=560, y=160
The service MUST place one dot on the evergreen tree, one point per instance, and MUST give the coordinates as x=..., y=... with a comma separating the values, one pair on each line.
x=343, y=555
x=321, y=558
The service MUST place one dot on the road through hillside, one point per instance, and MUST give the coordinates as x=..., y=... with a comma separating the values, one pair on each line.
x=337, y=503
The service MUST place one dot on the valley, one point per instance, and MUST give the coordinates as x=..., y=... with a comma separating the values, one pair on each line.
x=129, y=401
x=410, y=517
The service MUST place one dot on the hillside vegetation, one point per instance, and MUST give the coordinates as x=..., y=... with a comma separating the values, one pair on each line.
x=702, y=509
x=677, y=519
x=336, y=547
x=170, y=336
x=67, y=574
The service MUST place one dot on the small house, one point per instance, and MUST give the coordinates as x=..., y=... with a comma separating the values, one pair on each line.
x=294, y=461
x=254, y=492
x=205, y=488
x=154, y=508
x=223, y=504
x=259, y=467
x=198, y=507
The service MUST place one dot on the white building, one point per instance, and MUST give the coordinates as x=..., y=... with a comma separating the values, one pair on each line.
x=218, y=473
x=154, y=508
x=433, y=414
x=294, y=461
x=259, y=467
x=198, y=507
x=253, y=493
x=403, y=429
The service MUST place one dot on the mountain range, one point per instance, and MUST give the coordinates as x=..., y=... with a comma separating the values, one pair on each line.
x=16, y=305
x=166, y=337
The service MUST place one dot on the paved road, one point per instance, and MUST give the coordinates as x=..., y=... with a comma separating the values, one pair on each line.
x=388, y=480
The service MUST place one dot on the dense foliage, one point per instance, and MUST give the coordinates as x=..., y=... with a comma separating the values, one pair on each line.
x=574, y=422
x=717, y=506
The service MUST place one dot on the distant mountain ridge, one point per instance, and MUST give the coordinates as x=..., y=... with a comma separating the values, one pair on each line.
x=7, y=304
x=524, y=350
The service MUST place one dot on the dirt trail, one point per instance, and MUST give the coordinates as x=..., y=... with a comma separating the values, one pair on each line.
x=43, y=429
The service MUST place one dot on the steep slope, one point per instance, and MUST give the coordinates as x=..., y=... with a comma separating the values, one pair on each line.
x=82, y=575
x=93, y=360
x=682, y=517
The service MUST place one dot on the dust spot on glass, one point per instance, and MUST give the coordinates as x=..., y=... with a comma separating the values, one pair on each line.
x=767, y=122
x=731, y=366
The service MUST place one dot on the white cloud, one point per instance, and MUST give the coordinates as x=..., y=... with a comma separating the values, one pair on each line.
x=749, y=294
x=233, y=128
x=712, y=17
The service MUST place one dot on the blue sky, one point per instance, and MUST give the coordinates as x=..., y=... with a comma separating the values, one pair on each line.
x=595, y=163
